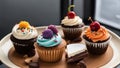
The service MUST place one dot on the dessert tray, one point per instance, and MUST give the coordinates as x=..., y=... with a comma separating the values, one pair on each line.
x=110, y=59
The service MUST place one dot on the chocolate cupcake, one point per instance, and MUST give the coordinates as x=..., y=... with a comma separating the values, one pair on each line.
x=72, y=26
x=50, y=46
x=23, y=37
x=97, y=38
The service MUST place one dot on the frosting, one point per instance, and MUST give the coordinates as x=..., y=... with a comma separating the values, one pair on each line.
x=99, y=35
x=50, y=37
x=55, y=40
x=70, y=22
x=24, y=31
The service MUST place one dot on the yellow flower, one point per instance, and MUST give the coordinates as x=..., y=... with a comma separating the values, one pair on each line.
x=24, y=24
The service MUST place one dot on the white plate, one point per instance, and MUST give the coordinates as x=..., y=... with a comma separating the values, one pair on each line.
x=5, y=45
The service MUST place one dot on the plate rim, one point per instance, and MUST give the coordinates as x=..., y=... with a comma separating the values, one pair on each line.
x=42, y=27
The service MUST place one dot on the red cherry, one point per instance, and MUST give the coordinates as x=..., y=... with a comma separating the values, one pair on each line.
x=94, y=26
x=71, y=14
x=22, y=30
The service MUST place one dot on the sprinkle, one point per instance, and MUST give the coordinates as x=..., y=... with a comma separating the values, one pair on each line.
x=42, y=38
x=55, y=40
x=31, y=30
x=22, y=30
x=23, y=33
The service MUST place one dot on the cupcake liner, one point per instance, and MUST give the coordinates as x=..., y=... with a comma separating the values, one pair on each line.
x=72, y=33
x=97, y=48
x=25, y=49
x=50, y=55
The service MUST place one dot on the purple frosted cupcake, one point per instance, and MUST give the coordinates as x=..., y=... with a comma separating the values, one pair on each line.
x=72, y=26
x=97, y=38
x=23, y=38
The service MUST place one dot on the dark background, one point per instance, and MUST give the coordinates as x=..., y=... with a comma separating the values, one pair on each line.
x=42, y=12
x=37, y=12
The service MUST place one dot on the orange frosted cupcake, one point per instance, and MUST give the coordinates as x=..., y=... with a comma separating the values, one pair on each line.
x=50, y=45
x=96, y=38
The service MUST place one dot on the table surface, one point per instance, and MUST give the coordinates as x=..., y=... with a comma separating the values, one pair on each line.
x=112, y=29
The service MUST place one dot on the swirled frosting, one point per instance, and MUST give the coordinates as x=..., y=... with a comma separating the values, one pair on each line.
x=100, y=35
x=71, y=22
x=24, y=33
x=54, y=41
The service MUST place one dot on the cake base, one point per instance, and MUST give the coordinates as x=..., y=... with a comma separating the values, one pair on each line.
x=90, y=60
x=77, y=57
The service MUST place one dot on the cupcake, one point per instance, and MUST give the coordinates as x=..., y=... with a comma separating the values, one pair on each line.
x=97, y=38
x=50, y=46
x=23, y=37
x=72, y=25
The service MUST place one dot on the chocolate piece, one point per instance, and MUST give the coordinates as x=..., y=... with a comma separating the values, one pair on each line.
x=72, y=65
x=76, y=52
x=77, y=57
x=28, y=60
x=31, y=53
x=34, y=65
x=81, y=64
x=31, y=59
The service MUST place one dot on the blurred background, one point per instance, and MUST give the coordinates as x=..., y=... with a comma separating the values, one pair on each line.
x=45, y=12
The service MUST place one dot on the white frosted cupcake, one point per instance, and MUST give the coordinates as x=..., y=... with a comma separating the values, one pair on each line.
x=23, y=37
x=72, y=26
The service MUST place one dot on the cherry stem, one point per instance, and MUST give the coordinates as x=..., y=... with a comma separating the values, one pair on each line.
x=90, y=19
x=69, y=8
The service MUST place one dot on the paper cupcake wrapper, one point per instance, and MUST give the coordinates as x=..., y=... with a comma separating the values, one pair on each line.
x=52, y=55
x=72, y=33
x=24, y=48
x=97, y=48
x=98, y=45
